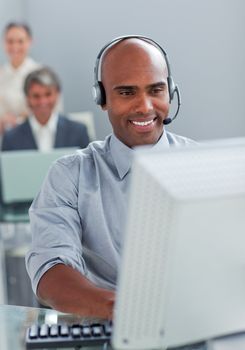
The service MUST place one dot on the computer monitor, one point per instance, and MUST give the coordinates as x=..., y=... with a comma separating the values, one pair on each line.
x=182, y=275
x=23, y=171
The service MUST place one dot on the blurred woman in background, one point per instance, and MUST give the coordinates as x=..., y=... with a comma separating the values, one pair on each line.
x=17, y=38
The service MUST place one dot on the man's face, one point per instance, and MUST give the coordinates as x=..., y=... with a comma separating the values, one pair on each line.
x=42, y=100
x=134, y=75
x=17, y=44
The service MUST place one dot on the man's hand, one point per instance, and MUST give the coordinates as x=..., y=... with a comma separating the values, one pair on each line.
x=66, y=290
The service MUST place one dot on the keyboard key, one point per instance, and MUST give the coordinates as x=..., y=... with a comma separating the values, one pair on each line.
x=64, y=330
x=44, y=331
x=86, y=332
x=54, y=330
x=33, y=331
x=108, y=328
x=76, y=331
x=97, y=331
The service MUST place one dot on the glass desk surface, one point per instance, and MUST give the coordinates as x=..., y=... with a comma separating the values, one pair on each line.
x=14, y=321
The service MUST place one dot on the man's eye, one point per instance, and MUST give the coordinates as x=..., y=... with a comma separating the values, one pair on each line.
x=126, y=92
x=158, y=90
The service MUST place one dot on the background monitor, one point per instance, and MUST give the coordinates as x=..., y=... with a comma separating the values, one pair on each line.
x=182, y=276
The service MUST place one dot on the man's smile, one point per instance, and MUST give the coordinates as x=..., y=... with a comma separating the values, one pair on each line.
x=143, y=124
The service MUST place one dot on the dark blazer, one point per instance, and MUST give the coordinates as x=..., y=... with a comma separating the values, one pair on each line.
x=68, y=134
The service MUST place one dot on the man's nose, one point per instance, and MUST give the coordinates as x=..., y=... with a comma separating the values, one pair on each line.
x=43, y=100
x=15, y=46
x=143, y=104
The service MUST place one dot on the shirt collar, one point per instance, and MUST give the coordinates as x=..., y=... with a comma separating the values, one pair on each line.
x=123, y=155
x=51, y=124
x=25, y=64
x=162, y=143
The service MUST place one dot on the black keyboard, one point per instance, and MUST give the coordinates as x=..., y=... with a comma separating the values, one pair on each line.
x=68, y=336
x=77, y=335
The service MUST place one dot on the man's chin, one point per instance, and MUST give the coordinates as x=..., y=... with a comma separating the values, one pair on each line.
x=145, y=141
x=42, y=118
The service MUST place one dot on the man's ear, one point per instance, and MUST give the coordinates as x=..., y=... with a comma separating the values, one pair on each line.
x=30, y=43
x=104, y=107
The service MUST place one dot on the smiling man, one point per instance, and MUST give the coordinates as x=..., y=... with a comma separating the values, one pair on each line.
x=78, y=217
x=45, y=128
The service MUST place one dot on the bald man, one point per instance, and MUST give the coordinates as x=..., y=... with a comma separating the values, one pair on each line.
x=78, y=218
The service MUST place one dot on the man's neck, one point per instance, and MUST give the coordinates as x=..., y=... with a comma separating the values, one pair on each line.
x=17, y=63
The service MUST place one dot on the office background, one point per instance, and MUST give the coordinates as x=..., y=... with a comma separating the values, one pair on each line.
x=204, y=40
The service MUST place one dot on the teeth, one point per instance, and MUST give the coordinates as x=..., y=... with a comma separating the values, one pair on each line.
x=142, y=123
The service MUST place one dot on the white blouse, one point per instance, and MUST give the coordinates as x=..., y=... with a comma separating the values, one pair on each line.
x=12, y=97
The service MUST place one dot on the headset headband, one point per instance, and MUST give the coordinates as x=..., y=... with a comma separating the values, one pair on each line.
x=124, y=37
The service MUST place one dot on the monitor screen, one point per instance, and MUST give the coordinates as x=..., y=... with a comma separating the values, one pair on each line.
x=182, y=275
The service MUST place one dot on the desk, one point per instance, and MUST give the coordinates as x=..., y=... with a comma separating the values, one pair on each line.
x=14, y=320
x=15, y=285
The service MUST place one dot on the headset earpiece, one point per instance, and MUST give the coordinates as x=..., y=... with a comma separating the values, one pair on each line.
x=99, y=93
x=171, y=88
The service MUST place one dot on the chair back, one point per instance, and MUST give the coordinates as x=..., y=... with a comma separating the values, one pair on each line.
x=87, y=119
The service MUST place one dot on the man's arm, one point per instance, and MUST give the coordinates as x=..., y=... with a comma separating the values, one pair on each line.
x=66, y=290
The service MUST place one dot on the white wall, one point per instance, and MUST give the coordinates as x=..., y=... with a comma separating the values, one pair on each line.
x=204, y=40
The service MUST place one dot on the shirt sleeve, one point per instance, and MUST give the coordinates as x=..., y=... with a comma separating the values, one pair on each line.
x=55, y=222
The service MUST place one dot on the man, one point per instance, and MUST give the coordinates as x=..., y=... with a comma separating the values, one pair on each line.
x=78, y=217
x=45, y=128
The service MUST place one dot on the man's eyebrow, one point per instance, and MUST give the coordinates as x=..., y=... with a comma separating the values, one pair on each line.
x=126, y=87
x=158, y=84
x=134, y=87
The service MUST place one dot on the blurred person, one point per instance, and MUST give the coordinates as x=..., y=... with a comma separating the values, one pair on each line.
x=17, y=39
x=44, y=128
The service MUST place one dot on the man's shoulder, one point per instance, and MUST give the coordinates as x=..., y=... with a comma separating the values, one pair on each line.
x=65, y=120
x=13, y=138
x=80, y=164
x=94, y=150
x=30, y=64
x=16, y=130
x=178, y=140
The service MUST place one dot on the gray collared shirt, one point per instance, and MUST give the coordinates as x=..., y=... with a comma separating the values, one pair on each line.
x=78, y=217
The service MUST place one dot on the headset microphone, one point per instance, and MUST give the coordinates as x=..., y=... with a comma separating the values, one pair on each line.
x=169, y=120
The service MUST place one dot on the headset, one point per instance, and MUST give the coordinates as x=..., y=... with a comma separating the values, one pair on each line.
x=99, y=94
